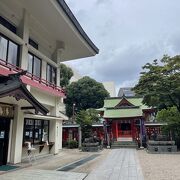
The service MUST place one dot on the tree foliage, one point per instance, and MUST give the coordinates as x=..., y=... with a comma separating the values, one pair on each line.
x=159, y=83
x=65, y=75
x=171, y=116
x=85, y=93
x=85, y=118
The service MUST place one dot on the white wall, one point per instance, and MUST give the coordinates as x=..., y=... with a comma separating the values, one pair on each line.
x=110, y=87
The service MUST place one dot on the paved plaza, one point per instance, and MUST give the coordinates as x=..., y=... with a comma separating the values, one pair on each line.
x=116, y=164
x=120, y=164
x=27, y=174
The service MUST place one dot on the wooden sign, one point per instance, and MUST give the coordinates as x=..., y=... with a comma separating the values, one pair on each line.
x=6, y=110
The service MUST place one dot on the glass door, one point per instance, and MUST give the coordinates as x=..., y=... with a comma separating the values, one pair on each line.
x=4, y=139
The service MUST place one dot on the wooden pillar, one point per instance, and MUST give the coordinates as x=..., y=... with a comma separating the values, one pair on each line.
x=116, y=130
x=80, y=136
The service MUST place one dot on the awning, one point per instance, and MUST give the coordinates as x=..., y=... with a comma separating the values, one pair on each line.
x=37, y=116
x=12, y=85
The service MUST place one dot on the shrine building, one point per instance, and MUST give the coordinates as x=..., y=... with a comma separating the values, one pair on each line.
x=126, y=118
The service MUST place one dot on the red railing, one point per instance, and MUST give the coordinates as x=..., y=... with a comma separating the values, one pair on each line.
x=12, y=68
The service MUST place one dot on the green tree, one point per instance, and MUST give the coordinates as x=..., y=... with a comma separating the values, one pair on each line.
x=159, y=83
x=94, y=114
x=85, y=93
x=171, y=116
x=85, y=118
x=65, y=75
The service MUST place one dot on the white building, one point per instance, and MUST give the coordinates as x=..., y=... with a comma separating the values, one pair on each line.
x=35, y=36
x=126, y=91
x=110, y=87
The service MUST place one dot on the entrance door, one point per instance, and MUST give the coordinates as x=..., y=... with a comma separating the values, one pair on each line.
x=4, y=139
x=124, y=130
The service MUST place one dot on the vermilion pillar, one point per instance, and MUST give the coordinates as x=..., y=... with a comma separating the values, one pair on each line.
x=132, y=128
x=116, y=129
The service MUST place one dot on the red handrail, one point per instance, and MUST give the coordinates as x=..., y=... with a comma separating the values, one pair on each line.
x=14, y=68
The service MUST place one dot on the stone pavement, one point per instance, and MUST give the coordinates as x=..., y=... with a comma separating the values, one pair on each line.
x=120, y=164
x=26, y=174
x=116, y=164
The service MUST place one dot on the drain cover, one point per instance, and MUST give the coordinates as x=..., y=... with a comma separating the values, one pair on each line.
x=78, y=163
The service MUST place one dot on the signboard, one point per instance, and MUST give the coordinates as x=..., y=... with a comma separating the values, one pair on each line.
x=2, y=134
x=6, y=110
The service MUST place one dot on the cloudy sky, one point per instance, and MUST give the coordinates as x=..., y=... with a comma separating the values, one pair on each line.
x=129, y=33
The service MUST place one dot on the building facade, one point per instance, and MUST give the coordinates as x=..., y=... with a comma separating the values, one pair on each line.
x=35, y=37
x=126, y=91
x=126, y=118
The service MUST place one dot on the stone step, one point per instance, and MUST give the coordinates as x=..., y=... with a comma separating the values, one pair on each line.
x=123, y=146
x=124, y=139
x=124, y=143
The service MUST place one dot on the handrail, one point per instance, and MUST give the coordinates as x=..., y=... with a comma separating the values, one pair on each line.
x=12, y=67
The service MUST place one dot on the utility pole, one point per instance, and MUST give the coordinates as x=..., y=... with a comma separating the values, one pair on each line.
x=74, y=112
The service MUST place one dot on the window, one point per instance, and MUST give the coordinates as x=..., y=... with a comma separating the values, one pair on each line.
x=33, y=43
x=51, y=74
x=7, y=24
x=12, y=53
x=36, y=131
x=9, y=51
x=3, y=48
x=34, y=65
x=45, y=131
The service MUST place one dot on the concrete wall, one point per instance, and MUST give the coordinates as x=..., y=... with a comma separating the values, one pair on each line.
x=16, y=152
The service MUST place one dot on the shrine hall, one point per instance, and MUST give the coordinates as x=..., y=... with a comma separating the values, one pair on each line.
x=125, y=118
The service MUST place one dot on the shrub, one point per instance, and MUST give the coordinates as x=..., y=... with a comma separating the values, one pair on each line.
x=72, y=144
x=64, y=144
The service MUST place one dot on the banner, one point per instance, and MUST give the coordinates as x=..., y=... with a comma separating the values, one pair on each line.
x=6, y=110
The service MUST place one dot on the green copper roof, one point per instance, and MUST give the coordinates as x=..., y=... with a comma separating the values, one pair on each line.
x=122, y=113
x=111, y=102
x=135, y=101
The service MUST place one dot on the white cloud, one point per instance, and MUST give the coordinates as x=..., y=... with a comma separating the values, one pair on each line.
x=128, y=33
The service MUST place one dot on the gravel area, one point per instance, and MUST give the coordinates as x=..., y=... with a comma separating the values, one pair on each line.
x=159, y=166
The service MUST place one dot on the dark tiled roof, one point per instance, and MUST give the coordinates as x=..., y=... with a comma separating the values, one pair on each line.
x=13, y=86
